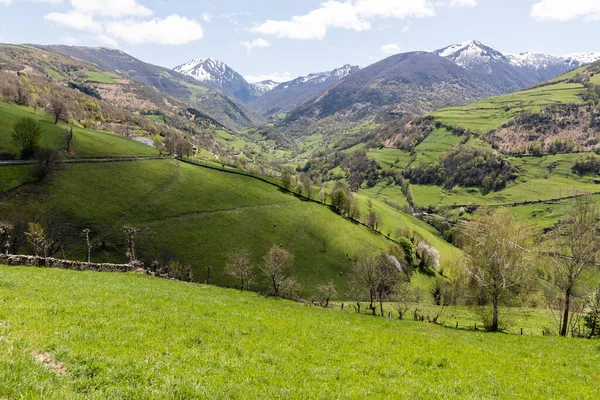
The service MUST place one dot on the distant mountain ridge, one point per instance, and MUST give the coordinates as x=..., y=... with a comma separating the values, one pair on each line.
x=408, y=83
x=217, y=74
x=288, y=95
x=517, y=70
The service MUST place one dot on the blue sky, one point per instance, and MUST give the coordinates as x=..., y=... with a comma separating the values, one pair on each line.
x=262, y=38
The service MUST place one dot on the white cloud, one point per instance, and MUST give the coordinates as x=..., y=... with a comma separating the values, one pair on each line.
x=111, y=8
x=255, y=44
x=459, y=3
x=113, y=20
x=560, y=10
x=276, y=76
x=391, y=48
x=207, y=17
x=5, y=2
x=354, y=15
x=75, y=20
x=172, y=30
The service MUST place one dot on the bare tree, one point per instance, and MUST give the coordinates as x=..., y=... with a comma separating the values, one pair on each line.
x=69, y=140
x=364, y=279
x=275, y=268
x=58, y=108
x=238, y=266
x=6, y=230
x=86, y=233
x=388, y=276
x=322, y=195
x=307, y=183
x=326, y=293
x=374, y=220
x=47, y=160
x=575, y=246
x=23, y=96
x=498, y=263
x=130, y=234
x=286, y=178
x=36, y=236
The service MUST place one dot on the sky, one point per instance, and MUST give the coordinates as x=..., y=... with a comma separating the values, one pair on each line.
x=283, y=39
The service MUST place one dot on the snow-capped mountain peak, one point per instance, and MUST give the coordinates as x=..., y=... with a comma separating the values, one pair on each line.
x=205, y=69
x=471, y=54
x=217, y=74
x=527, y=68
x=534, y=61
x=583, y=58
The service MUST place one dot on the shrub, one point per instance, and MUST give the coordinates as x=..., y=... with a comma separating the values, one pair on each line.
x=587, y=165
x=26, y=133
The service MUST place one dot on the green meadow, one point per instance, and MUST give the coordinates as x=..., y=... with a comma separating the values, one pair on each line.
x=76, y=335
x=88, y=143
x=488, y=114
x=195, y=215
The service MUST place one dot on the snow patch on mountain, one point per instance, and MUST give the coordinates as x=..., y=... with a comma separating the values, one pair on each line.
x=261, y=88
x=583, y=58
x=322, y=77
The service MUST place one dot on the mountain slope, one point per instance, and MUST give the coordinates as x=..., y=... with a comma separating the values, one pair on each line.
x=409, y=83
x=213, y=103
x=216, y=74
x=190, y=214
x=288, y=95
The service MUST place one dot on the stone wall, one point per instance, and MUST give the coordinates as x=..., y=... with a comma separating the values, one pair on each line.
x=31, y=261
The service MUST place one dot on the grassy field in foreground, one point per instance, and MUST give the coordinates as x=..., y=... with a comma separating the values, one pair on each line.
x=88, y=143
x=77, y=335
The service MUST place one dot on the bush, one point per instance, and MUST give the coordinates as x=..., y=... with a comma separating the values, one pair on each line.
x=27, y=133
x=7, y=155
x=587, y=165
x=47, y=160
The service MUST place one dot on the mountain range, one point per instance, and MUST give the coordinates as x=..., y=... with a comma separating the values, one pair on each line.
x=409, y=83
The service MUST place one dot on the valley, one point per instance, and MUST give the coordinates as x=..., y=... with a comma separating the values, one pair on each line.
x=422, y=227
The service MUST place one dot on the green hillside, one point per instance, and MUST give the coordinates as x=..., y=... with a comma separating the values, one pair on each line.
x=87, y=143
x=89, y=335
x=191, y=214
x=485, y=115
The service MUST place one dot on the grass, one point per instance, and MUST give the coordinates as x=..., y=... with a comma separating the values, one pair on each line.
x=132, y=336
x=54, y=74
x=88, y=143
x=439, y=141
x=196, y=216
x=489, y=114
x=155, y=118
x=389, y=158
x=102, y=77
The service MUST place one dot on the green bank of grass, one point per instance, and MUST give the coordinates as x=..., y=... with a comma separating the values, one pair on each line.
x=88, y=143
x=54, y=74
x=196, y=216
x=388, y=158
x=439, y=141
x=132, y=336
x=489, y=114
x=101, y=77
